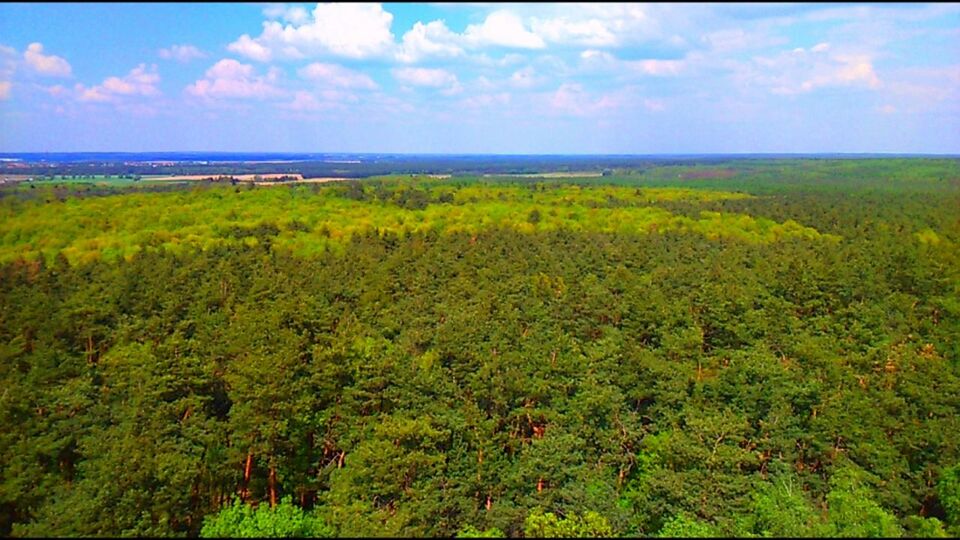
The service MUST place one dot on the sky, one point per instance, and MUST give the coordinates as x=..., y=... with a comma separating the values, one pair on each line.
x=483, y=78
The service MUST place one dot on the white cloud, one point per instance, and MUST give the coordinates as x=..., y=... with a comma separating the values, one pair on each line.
x=138, y=82
x=246, y=46
x=231, y=79
x=603, y=24
x=290, y=14
x=141, y=81
x=304, y=101
x=506, y=60
x=586, y=25
x=95, y=94
x=595, y=55
x=431, y=39
x=800, y=71
x=431, y=78
x=424, y=76
x=5, y=89
x=603, y=60
x=589, y=33
x=181, y=53
x=335, y=75
x=502, y=28
x=360, y=31
x=855, y=69
x=43, y=64
x=229, y=68
x=656, y=67
x=348, y=30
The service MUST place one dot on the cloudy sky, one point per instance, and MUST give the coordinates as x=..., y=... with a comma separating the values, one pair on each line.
x=481, y=78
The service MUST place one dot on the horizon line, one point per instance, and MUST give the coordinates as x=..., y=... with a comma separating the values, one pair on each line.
x=371, y=153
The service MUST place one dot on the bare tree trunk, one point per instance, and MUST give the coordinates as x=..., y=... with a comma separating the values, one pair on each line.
x=244, y=492
x=272, y=481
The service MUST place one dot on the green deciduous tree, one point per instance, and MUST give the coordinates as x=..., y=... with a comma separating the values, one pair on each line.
x=285, y=520
x=540, y=524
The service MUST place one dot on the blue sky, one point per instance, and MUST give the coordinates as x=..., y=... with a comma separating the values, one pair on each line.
x=481, y=78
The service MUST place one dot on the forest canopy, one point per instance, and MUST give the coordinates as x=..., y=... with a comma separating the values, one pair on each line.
x=746, y=348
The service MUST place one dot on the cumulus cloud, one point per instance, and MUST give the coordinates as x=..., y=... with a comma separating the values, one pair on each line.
x=599, y=25
x=504, y=29
x=50, y=65
x=430, y=78
x=181, y=53
x=855, y=69
x=433, y=39
x=424, y=76
x=801, y=70
x=501, y=28
x=656, y=67
x=354, y=31
x=335, y=75
x=304, y=101
x=141, y=81
x=290, y=14
x=251, y=48
x=593, y=58
x=360, y=31
x=229, y=78
x=592, y=26
x=590, y=33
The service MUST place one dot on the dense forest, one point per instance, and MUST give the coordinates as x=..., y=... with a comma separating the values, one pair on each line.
x=746, y=348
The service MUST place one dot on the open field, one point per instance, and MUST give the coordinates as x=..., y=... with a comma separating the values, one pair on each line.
x=239, y=177
x=581, y=174
x=69, y=179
